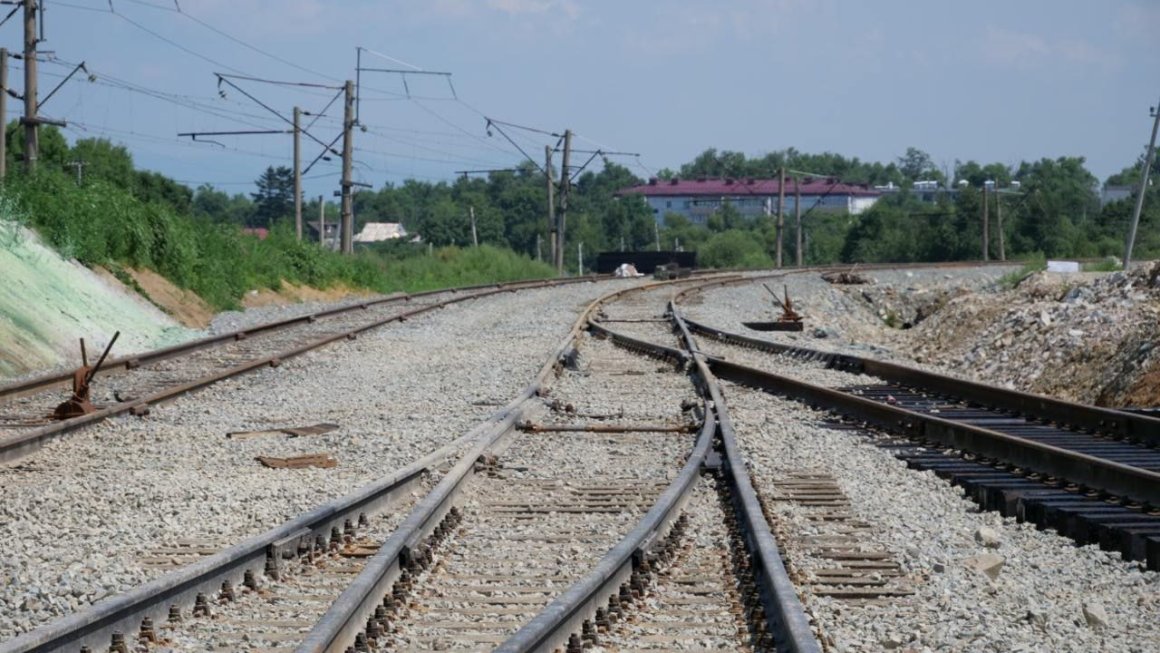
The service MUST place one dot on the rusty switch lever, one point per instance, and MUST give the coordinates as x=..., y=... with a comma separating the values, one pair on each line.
x=78, y=404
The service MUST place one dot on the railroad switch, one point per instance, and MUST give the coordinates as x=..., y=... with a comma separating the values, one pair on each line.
x=790, y=320
x=79, y=404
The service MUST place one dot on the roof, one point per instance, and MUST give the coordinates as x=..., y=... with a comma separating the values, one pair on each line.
x=260, y=232
x=373, y=232
x=742, y=187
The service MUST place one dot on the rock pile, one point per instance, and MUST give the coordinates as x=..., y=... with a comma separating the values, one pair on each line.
x=1083, y=338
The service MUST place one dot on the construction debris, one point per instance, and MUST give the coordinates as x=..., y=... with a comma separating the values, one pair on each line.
x=844, y=278
x=626, y=270
x=323, y=460
x=292, y=431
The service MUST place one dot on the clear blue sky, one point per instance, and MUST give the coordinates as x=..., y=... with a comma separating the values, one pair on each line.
x=985, y=80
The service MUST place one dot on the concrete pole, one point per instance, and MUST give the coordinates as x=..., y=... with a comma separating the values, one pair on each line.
x=565, y=190
x=551, y=204
x=347, y=162
x=322, y=221
x=797, y=214
x=986, y=236
x=474, y=236
x=298, y=173
x=780, y=212
x=3, y=113
x=31, y=134
x=999, y=223
x=1148, y=158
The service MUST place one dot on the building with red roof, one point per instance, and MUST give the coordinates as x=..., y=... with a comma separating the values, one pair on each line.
x=697, y=199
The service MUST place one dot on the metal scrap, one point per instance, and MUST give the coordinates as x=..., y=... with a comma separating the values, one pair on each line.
x=844, y=278
x=292, y=431
x=323, y=460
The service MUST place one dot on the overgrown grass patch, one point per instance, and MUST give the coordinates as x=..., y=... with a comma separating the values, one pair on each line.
x=101, y=224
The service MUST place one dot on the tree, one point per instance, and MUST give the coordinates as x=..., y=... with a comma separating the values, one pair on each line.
x=105, y=160
x=54, y=150
x=275, y=197
x=916, y=165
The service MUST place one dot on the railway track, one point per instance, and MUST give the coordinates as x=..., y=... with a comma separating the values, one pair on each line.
x=1092, y=474
x=486, y=511
x=131, y=384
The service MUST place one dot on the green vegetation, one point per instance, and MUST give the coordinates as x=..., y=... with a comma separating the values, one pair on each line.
x=1035, y=262
x=128, y=218
x=1110, y=264
x=121, y=216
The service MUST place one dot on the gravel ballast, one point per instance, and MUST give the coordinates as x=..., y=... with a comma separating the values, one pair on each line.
x=81, y=514
x=1048, y=596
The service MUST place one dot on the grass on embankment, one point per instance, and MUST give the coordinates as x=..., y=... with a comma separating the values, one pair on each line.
x=101, y=224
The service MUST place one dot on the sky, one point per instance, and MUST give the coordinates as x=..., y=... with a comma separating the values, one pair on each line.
x=988, y=80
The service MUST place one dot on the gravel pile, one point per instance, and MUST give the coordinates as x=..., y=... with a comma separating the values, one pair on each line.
x=1046, y=595
x=854, y=319
x=79, y=515
x=1082, y=337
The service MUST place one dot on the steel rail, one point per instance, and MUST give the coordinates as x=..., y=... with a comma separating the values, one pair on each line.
x=19, y=445
x=783, y=608
x=1090, y=471
x=348, y=616
x=1096, y=419
x=94, y=626
x=131, y=361
x=567, y=614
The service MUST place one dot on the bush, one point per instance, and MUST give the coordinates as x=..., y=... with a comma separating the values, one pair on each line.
x=734, y=249
x=102, y=224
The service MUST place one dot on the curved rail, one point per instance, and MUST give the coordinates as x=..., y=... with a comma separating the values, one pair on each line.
x=347, y=618
x=577, y=608
x=243, y=563
x=18, y=445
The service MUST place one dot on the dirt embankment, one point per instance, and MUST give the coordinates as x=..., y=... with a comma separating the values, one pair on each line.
x=48, y=302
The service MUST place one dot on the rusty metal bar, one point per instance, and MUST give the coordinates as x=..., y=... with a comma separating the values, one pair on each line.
x=607, y=428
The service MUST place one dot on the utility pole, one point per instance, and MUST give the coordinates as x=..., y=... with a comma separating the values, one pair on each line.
x=580, y=258
x=31, y=134
x=1148, y=158
x=79, y=167
x=474, y=236
x=347, y=162
x=322, y=221
x=657, y=233
x=780, y=212
x=551, y=203
x=986, y=254
x=999, y=221
x=797, y=214
x=3, y=113
x=298, y=173
x=565, y=189
x=539, y=239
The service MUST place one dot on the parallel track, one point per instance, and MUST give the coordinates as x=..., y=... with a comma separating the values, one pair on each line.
x=1091, y=473
x=142, y=380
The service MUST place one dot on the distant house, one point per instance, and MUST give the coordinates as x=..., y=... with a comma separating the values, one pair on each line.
x=374, y=232
x=697, y=199
x=259, y=232
x=329, y=239
x=1116, y=193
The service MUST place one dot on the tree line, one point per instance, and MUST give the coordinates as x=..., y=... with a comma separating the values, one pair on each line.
x=1054, y=209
